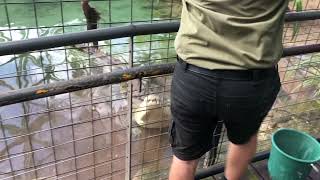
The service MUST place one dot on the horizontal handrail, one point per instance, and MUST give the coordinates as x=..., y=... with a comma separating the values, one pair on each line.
x=302, y=16
x=213, y=170
x=22, y=46
x=46, y=90
x=51, y=89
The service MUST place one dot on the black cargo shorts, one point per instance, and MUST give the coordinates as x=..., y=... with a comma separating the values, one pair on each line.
x=200, y=98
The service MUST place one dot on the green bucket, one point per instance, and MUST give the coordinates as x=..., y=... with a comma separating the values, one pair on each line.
x=292, y=154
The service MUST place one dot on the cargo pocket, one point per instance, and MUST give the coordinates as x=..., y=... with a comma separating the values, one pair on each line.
x=271, y=96
x=171, y=133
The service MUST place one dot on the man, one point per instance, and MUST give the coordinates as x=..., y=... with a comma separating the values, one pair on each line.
x=227, y=55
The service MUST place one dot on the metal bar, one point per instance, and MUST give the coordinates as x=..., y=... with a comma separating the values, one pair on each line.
x=129, y=128
x=4, y=135
x=210, y=171
x=16, y=47
x=130, y=91
x=213, y=170
x=22, y=46
x=111, y=90
x=52, y=89
x=298, y=50
x=46, y=90
x=302, y=16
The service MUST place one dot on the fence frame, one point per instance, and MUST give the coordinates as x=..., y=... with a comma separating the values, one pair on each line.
x=46, y=90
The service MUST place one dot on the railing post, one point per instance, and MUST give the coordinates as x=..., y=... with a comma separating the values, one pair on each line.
x=129, y=130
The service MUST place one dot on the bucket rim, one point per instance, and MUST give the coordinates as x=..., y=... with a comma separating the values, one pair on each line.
x=289, y=156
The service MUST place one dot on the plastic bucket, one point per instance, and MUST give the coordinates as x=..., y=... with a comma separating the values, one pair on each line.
x=292, y=154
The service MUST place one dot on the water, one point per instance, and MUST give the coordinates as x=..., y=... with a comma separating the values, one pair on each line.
x=93, y=121
x=51, y=13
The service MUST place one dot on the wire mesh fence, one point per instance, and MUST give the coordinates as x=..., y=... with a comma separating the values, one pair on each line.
x=84, y=134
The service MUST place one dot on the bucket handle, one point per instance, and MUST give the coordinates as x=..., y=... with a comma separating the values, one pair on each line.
x=315, y=168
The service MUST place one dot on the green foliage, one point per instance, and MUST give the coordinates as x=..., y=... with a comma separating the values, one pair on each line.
x=164, y=9
x=3, y=38
x=312, y=68
x=296, y=26
x=78, y=65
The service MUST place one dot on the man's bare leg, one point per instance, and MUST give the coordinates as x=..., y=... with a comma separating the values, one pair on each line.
x=182, y=170
x=238, y=158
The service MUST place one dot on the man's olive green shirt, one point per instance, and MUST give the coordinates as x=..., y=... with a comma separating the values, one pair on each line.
x=231, y=34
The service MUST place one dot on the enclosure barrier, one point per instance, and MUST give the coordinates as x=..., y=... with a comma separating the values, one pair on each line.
x=67, y=39
x=46, y=90
x=51, y=89
x=42, y=43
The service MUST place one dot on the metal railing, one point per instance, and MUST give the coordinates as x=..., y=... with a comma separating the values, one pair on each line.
x=23, y=46
x=51, y=89
x=67, y=39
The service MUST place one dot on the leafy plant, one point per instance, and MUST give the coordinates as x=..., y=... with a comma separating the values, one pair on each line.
x=312, y=68
x=4, y=38
x=296, y=26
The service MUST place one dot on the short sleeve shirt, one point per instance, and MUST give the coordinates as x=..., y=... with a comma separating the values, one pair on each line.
x=231, y=34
